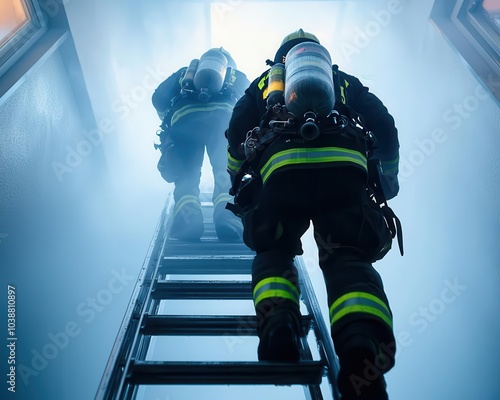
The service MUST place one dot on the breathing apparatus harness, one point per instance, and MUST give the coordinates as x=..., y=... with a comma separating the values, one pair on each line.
x=189, y=91
x=277, y=122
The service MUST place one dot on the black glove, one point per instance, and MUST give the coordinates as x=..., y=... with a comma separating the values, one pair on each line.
x=390, y=184
x=249, y=192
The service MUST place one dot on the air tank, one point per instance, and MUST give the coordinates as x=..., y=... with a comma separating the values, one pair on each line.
x=276, y=85
x=209, y=76
x=309, y=80
x=187, y=82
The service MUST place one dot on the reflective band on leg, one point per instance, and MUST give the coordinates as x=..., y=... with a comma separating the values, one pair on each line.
x=390, y=166
x=184, y=200
x=360, y=302
x=234, y=164
x=275, y=287
x=223, y=197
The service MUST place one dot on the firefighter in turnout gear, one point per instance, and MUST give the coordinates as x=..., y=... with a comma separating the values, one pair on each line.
x=195, y=105
x=333, y=162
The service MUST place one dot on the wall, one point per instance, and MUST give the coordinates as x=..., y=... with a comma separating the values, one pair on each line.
x=67, y=242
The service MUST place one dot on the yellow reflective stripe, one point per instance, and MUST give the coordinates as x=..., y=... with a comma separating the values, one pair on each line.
x=276, y=279
x=390, y=166
x=343, y=91
x=275, y=293
x=190, y=108
x=360, y=302
x=342, y=94
x=311, y=156
x=233, y=164
x=275, y=287
x=185, y=200
x=262, y=82
x=262, y=86
x=222, y=197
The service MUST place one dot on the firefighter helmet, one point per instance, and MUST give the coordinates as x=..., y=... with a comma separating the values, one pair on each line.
x=230, y=60
x=291, y=40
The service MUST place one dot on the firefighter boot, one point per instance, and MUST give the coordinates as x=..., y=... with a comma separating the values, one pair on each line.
x=360, y=377
x=188, y=219
x=227, y=225
x=279, y=338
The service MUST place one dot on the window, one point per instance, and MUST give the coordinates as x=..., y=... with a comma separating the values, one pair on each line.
x=473, y=28
x=21, y=23
x=491, y=8
x=14, y=16
x=483, y=26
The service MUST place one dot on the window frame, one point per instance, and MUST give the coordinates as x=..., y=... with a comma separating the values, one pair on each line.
x=24, y=38
x=466, y=26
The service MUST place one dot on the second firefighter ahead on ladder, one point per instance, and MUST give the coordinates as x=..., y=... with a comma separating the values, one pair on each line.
x=293, y=160
x=195, y=105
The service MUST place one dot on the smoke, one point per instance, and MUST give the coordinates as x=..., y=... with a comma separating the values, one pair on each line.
x=445, y=291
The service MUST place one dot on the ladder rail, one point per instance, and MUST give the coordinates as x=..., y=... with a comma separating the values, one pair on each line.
x=322, y=332
x=114, y=376
x=312, y=392
x=140, y=343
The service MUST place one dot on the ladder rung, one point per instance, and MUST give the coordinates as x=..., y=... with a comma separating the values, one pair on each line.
x=207, y=290
x=205, y=247
x=205, y=325
x=180, y=325
x=222, y=373
x=208, y=265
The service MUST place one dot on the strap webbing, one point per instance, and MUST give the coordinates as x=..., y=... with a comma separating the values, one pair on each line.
x=392, y=220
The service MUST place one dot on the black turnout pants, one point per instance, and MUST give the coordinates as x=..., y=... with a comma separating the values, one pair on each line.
x=349, y=230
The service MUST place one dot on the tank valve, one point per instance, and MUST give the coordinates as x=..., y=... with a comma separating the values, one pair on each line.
x=309, y=130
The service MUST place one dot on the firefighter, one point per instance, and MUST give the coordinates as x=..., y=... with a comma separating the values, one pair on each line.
x=284, y=181
x=195, y=105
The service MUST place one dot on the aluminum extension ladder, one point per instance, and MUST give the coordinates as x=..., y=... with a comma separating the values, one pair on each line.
x=132, y=374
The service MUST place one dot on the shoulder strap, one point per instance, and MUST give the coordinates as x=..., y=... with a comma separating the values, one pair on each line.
x=253, y=159
x=339, y=100
x=336, y=84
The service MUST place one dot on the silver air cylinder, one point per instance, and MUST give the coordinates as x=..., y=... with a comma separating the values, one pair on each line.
x=210, y=74
x=309, y=80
